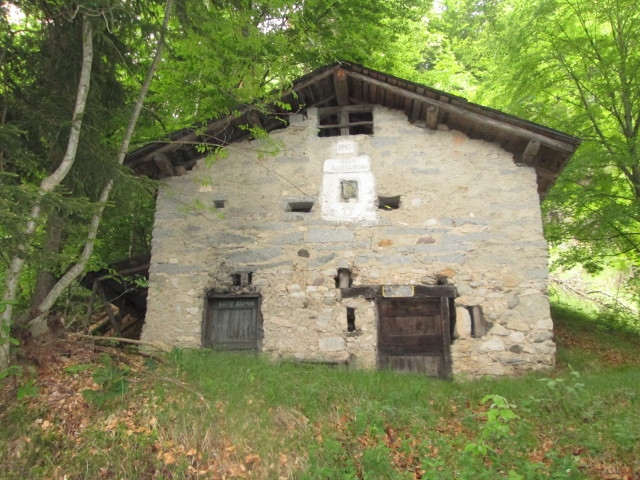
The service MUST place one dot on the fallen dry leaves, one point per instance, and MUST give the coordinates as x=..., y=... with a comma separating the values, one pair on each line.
x=66, y=412
x=61, y=377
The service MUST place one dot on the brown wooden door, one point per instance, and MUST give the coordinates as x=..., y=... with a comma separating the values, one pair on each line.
x=232, y=323
x=413, y=335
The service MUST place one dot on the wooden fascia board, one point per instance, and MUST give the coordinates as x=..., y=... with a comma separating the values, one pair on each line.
x=473, y=116
x=191, y=137
x=314, y=79
x=169, y=146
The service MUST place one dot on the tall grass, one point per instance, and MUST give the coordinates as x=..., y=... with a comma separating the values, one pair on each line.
x=203, y=414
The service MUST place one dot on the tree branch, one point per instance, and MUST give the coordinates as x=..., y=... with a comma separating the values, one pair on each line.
x=39, y=322
x=47, y=185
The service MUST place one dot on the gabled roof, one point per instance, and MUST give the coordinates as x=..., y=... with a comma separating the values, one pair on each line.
x=346, y=83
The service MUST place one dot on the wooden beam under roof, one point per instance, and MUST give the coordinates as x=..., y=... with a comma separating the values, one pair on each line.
x=297, y=87
x=341, y=87
x=463, y=113
x=432, y=117
x=415, y=111
x=253, y=117
x=164, y=165
x=533, y=147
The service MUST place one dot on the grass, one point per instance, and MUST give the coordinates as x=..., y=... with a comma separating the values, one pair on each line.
x=200, y=414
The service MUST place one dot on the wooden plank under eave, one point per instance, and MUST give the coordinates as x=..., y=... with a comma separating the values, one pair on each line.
x=390, y=100
x=471, y=131
x=533, y=147
x=432, y=117
x=416, y=111
x=491, y=135
x=355, y=88
x=165, y=168
x=311, y=94
x=341, y=87
x=253, y=119
x=409, y=109
x=373, y=92
x=462, y=110
x=310, y=81
x=380, y=96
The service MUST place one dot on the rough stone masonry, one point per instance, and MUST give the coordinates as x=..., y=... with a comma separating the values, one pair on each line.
x=468, y=216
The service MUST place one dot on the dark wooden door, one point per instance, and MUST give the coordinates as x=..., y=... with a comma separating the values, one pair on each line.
x=413, y=335
x=232, y=323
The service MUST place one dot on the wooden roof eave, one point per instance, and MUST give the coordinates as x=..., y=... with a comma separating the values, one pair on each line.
x=470, y=115
x=213, y=134
x=544, y=149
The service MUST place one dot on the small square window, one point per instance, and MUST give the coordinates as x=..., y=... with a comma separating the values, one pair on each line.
x=218, y=204
x=389, y=203
x=241, y=279
x=300, y=207
x=348, y=190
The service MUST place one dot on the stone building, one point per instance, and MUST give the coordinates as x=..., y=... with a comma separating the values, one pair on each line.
x=381, y=223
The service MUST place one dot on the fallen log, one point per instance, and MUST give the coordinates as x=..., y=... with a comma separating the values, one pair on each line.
x=159, y=346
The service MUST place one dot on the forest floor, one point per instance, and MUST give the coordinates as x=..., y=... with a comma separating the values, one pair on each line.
x=81, y=410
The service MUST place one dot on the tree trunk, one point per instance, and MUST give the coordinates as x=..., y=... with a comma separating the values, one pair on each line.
x=39, y=322
x=45, y=279
x=48, y=185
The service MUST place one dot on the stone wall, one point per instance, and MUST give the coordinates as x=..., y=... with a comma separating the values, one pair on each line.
x=468, y=214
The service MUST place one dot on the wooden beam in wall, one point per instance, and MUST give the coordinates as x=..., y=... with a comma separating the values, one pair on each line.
x=341, y=87
x=164, y=165
x=253, y=118
x=415, y=111
x=419, y=291
x=432, y=117
x=531, y=151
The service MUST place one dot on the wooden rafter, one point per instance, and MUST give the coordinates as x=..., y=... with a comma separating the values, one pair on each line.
x=341, y=87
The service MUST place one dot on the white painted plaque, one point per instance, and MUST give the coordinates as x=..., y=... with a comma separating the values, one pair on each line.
x=347, y=165
x=344, y=147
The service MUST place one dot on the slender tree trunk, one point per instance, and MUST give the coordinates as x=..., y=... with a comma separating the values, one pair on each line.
x=39, y=322
x=48, y=185
x=45, y=279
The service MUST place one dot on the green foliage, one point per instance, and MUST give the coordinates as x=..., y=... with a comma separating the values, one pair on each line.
x=112, y=381
x=209, y=411
x=12, y=370
x=224, y=56
x=41, y=52
x=78, y=368
x=497, y=426
x=27, y=389
x=569, y=65
x=27, y=386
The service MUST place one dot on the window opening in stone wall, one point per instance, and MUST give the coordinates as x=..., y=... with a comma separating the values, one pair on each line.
x=218, y=204
x=479, y=325
x=361, y=123
x=389, y=203
x=241, y=279
x=343, y=279
x=300, y=207
x=351, y=319
x=348, y=190
x=345, y=120
x=452, y=319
